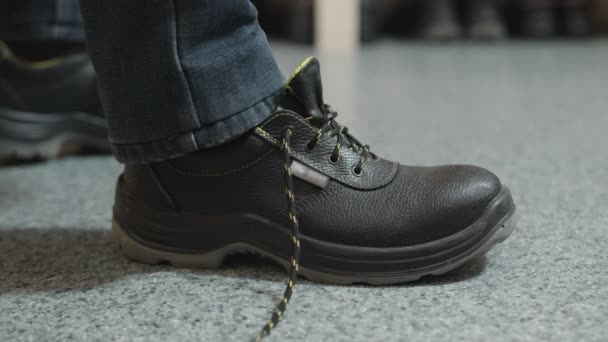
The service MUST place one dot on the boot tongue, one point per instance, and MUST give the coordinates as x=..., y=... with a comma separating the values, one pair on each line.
x=306, y=89
x=304, y=94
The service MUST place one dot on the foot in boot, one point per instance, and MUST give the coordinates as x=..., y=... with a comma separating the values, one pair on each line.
x=304, y=192
x=363, y=218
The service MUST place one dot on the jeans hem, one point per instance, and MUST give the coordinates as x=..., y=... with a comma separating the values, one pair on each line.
x=204, y=137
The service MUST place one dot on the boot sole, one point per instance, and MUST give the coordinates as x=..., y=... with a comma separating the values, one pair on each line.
x=28, y=135
x=437, y=257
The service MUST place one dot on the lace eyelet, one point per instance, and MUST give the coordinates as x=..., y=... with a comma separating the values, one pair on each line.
x=357, y=171
x=310, y=146
x=333, y=159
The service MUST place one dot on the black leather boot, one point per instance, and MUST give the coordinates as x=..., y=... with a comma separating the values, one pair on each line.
x=363, y=218
x=49, y=106
x=301, y=190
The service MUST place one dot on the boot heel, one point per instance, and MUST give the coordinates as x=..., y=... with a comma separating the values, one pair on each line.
x=138, y=251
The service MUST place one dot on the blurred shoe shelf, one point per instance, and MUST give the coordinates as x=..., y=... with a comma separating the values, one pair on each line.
x=305, y=21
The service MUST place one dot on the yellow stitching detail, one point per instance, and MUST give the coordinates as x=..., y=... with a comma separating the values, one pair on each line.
x=297, y=70
x=30, y=64
x=223, y=173
x=299, y=118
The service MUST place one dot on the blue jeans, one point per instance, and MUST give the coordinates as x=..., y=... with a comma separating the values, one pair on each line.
x=175, y=76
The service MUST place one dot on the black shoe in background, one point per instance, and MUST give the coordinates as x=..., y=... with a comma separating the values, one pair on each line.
x=299, y=20
x=438, y=20
x=375, y=15
x=484, y=20
x=49, y=107
x=575, y=18
x=599, y=11
x=537, y=18
x=294, y=20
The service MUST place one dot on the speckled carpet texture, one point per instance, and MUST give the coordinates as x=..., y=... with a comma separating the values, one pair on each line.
x=535, y=114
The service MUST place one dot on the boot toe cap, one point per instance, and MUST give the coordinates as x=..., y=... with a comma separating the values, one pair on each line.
x=456, y=196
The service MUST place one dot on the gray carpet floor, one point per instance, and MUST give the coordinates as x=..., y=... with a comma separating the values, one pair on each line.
x=535, y=114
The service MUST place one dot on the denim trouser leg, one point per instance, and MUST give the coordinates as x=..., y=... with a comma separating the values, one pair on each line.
x=41, y=20
x=179, y=75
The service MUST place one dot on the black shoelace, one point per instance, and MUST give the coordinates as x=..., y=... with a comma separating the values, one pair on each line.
x=331, y=127
x=327, y=126
x=295, y=235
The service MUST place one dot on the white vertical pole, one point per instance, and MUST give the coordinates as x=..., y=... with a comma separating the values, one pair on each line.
x=337, y=25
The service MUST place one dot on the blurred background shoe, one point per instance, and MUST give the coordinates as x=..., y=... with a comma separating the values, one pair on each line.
x=375, y=15
x=445, y=19
x=484, y=20
x=299, y=19
x=49, y=105
x=600, y=15
x=438, y=20
x=537, y=18
x=575, y=17
x=294, y=19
